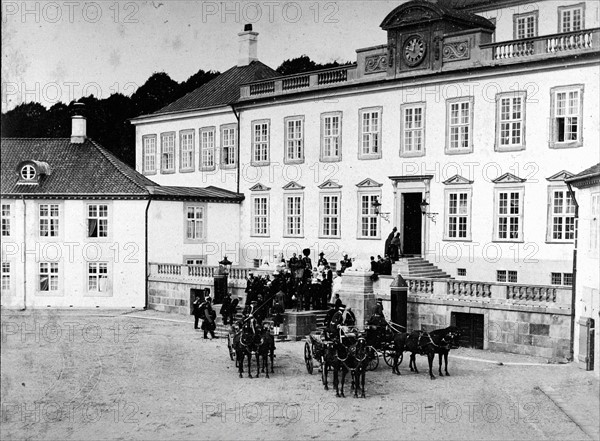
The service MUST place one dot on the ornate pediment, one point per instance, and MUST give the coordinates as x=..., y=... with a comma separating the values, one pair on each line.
x=293, y=186
x=508, y=178
x=329, y=184
x=405, y=15
x=260, y=187
x=560, y=176
x=368, y=183
x=457, y=180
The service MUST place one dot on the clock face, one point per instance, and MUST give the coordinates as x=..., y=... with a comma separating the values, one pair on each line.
x=414, y=51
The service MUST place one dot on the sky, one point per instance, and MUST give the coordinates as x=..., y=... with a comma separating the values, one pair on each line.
x=62, y=50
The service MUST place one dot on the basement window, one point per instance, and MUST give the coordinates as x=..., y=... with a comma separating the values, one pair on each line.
x=461, y=271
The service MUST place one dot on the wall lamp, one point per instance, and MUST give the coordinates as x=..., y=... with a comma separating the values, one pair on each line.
x=424, y=211
x=377, y=209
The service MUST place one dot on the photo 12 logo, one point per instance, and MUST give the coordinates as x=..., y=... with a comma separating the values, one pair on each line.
x=271, y=11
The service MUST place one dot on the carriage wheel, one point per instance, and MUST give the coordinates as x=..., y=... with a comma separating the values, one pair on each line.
x=230, y=347
x=388, y=357
x=374, y=361
x=308, y=358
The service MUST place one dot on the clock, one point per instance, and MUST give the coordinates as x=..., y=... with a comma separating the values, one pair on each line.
x=414, y=50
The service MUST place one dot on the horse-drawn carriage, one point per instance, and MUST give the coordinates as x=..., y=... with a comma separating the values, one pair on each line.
x=251, y=340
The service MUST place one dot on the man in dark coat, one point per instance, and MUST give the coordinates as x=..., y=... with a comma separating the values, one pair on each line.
x=225, y=307
x=322, y=261
x=233, y=310
x=277, y=312
x=197, y=310
x=388, y=241
x=208, y=319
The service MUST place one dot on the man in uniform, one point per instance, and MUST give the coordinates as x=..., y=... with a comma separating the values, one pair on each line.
x=208, y=319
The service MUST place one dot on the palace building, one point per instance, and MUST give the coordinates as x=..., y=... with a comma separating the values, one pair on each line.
x=459, y=129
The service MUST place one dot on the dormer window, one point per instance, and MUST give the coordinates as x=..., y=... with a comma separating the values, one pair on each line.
x=28, y=172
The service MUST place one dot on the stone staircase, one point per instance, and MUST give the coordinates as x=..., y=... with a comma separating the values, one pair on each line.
x=418, y=267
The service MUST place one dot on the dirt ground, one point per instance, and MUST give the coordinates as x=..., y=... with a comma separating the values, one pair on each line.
x=108, y=375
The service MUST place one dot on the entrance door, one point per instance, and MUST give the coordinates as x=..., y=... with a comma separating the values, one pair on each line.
x=412, y=221
x=471, y=328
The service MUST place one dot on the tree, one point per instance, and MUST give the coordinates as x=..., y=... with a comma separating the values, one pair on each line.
x=304, y=64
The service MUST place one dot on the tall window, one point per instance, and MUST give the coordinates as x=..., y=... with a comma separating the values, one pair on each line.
x=97, y=220
x=97, y=276
x=167, y=157
x=260, y=142
x=458, y=215
x=570, y=18
x=49, y=217
x=331, y=136
x=260, y=215
x=5, y=276
x=412, y=136
x=509, y=215
x=5, y=220
x=330, y=215
x=48, y=276
x=459, y=125
x=195, y=223
x=594, y=225
x=561, y=224
x=228, y=142
x=525, y=25
x=293, y=215
x=369, y=221
x=370, y=133
x=510, y=121
x=294, y=139
x=567, y=109
x=186, y=145
x=207, y=148
x=149, y=153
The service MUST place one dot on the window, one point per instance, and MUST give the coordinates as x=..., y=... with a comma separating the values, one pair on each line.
x=228, y=146
x=294, y=139
x=594, y=233
x=565, y=279
x=331, y=137
x=512, y=277
x=186, y=156
x=97, y=274
x=49, y=217
x=506, y=276
x=459, y=125
x=525, y=25
x=566, y=116
x=260, y=142
x=570, y=18
x=330, y=215
x=195, y=222
x=195, y=260
x=294, y=215
x=256, y=263
x=508, y=219
x=561, y=222
x=48, y=276
x=207, y=148
x=5, y=220
x=260, y=216
x=28, y=172
x=5, y=276
x=149, y=154
x=370, y=133
x=167, y=156
x=369, y=220
x=501, y=276
x=510, y=121
x=97, y=220
x=458, y=214
x=461, y=272
x=412, y=129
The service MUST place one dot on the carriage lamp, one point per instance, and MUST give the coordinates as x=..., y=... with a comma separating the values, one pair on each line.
x=226, y=264
x=424, y=211
x=377, y=209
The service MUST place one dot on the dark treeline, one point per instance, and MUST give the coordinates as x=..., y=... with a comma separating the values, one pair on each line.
x=108, y=118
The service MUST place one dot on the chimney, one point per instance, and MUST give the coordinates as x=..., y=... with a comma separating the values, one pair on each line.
x=248, y=46
x=78, y=125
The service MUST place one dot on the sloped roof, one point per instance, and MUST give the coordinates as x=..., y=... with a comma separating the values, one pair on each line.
x=222, y=90
x=590, y=175
x=87, y=170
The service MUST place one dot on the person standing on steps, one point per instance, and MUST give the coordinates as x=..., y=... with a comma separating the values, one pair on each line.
x=388, y=241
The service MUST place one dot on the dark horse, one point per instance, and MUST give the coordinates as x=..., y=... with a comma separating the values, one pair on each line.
x=439, y=342
x=245, y=344
x=266, y=350
x=357, y=361
x=330, y=361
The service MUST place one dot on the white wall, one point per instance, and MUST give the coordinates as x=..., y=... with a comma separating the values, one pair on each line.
x=123, y=250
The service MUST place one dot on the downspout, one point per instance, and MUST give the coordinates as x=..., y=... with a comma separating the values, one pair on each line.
x=237, y=162
x=574, y=285
x=24, y=253
x=146, y=252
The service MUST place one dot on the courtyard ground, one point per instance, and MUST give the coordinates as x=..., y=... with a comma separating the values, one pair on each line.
x=146, y=375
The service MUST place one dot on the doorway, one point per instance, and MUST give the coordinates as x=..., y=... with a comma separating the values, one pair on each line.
x=411, y=223
x=471, y=328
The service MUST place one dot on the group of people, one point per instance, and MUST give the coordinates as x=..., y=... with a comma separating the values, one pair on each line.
x=203, y=310
x=393, y=246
